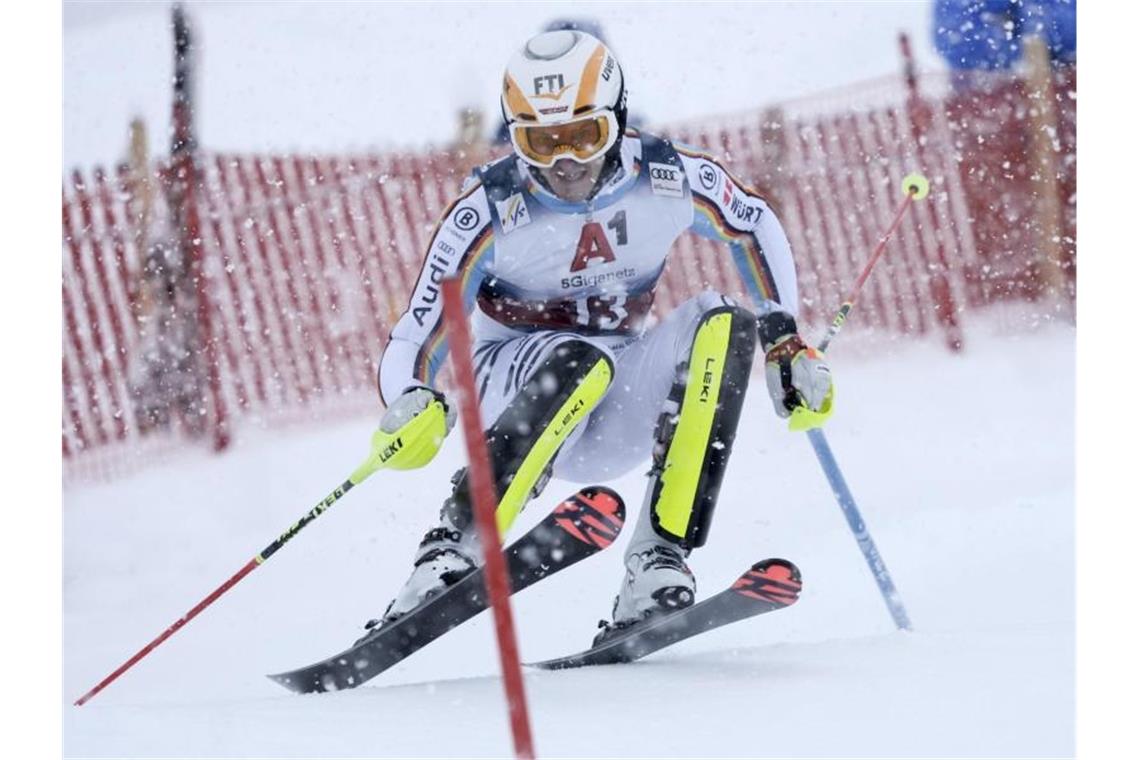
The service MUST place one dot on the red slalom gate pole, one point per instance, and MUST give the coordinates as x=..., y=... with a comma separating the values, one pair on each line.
x=483, y=497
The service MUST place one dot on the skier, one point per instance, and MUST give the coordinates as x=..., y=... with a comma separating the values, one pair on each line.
x=559, y=247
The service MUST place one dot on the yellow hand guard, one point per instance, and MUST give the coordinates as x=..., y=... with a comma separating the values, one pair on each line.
x=804, y=418
x=412, y=446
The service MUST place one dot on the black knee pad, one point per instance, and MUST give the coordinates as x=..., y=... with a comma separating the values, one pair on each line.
x=522, y=442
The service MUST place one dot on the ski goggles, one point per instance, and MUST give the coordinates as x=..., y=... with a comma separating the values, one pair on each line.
x=581, y=140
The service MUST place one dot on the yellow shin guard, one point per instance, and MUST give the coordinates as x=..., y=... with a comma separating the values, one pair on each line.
x=695, y=433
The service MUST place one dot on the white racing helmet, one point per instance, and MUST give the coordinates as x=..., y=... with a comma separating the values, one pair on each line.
x=564, y=97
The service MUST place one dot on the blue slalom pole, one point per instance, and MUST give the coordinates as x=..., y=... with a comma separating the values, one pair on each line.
x=859, y=528
x=915, y=187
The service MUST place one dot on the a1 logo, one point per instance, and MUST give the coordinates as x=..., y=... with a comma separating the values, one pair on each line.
x=593, y=243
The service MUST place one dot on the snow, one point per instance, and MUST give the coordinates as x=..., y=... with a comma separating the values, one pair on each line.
x=961, y=464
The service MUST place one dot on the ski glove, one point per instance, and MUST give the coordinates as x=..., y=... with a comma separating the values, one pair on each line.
x=412, y=402
x=797, y=374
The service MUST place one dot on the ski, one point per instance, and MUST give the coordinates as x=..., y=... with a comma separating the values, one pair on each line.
x=582, y=525
x=770, y=584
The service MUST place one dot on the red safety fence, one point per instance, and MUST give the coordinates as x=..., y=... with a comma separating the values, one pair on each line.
x=279, y=306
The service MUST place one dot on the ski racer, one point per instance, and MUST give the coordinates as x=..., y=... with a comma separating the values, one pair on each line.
x=559, y=247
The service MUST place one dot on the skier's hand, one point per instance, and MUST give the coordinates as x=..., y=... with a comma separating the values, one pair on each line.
x=797, y=374
x=412, y=402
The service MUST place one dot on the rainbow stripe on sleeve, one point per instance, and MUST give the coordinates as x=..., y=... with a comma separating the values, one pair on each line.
x=434, y=348
x=746, y=250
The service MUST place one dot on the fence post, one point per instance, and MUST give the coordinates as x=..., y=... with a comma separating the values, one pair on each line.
x=1043, y=142
x=919, y=116
x=186, y=186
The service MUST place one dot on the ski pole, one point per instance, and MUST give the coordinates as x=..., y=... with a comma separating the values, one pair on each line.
x=385, y=447
x=859, y=528
x=916, y=187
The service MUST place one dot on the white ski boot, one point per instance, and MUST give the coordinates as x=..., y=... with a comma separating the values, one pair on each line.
x=445, y=556
x=657, y=581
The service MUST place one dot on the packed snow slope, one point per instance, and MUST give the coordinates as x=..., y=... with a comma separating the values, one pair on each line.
x=962, y=465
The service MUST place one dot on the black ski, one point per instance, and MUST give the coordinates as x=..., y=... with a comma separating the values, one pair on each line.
x=583, y=524
x=771, y=584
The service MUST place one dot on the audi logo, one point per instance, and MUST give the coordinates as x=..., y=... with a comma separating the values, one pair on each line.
x=667, y=174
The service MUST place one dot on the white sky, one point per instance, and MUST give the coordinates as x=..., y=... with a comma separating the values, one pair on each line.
x=337, y=75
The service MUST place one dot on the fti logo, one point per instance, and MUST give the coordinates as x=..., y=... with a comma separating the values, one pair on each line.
x=550, y=86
